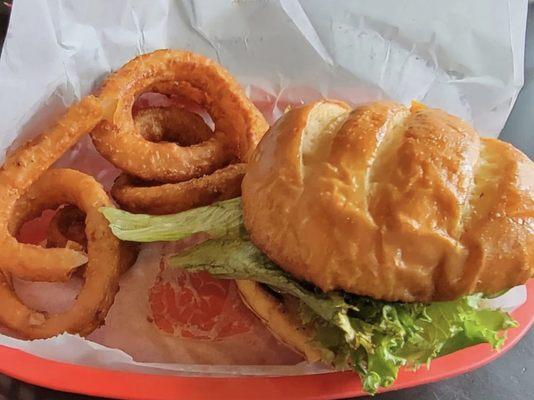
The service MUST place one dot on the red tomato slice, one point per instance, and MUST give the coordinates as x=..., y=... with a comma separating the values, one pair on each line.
x=195, y=305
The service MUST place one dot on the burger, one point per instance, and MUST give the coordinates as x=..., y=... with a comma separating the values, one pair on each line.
x=367, y=238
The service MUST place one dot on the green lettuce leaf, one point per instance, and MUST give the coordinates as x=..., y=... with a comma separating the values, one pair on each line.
x=412, y=334
x=374, y=337
x=238, y=258
x=220, y=219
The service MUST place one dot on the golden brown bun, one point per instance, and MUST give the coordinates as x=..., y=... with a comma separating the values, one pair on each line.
x=391, y=202
x=284, y=325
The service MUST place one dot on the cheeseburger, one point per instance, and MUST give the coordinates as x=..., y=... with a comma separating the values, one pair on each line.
x=368, y=238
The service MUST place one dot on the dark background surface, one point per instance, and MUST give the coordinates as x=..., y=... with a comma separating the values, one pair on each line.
x=511, y=377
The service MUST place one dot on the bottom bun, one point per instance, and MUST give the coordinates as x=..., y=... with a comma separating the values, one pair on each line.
x=282, y=323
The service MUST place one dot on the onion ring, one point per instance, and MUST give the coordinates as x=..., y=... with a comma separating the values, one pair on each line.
x=135, y=196
x=20, y=170
x=238, y=124
x=56, y=187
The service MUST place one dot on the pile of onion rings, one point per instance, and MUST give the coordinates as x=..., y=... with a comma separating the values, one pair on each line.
x=24, y=167
x=179, y=162
x=105, y=258
x=186, y=129
x=238, y=123
x=27, y=187
x=172, y=161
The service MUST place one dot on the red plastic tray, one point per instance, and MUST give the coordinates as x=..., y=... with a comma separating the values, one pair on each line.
x=128, y=385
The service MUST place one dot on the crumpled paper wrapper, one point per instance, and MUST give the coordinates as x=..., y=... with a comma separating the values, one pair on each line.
x=464, y=57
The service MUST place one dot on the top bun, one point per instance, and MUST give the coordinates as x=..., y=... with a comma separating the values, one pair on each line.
x=391, y=202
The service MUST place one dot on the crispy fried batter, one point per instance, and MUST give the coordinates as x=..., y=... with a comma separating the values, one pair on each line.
x=105, y=258
x=23, y=167
x=238, y=124
x=135, y=196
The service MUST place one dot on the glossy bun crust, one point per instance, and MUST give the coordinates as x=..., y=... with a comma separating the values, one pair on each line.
x=391, y=202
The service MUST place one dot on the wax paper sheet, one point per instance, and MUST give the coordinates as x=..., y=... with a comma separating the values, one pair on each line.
x=465, y=57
